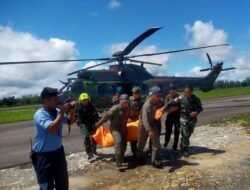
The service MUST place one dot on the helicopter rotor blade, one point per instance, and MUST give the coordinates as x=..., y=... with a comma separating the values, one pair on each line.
x=61, y=89
x=202, y=70
x=127, y=50
x=64, y=86
x=65, y=83
x=176, y=51
x=209, y=59
x=145, y=62
x=227, y=69
x=77, y=71
x=51, y=61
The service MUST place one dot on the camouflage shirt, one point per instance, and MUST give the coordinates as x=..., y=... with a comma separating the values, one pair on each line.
x=115, y=99
x=136, y=104
x=188, y=105
x=87, y=115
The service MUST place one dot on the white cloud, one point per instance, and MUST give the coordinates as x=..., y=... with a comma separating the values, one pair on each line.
x=114, y=4
x=31, y=78
x=242, y=65
x=194, y=72
x=92, y=63
x=205, y=33
x=161, y=59
x=242, y=71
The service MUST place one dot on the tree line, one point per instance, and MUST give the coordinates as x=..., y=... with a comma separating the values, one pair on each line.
x=20, y=101
x=232, y=83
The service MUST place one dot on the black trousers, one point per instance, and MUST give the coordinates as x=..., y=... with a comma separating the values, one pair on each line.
x=172, y=120
x=51, y=169
x=133, y=145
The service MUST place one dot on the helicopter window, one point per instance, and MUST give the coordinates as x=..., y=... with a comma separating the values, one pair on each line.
x=112, y=89
x=144, y=88
x=78, y=86
x=101, y=90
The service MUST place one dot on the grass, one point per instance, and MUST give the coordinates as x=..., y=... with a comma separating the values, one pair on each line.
x=16, y=114
x=243, y=120
x=222, y=92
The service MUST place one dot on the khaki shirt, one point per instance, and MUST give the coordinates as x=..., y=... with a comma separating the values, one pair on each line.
x=147, y=117
x=118, y=117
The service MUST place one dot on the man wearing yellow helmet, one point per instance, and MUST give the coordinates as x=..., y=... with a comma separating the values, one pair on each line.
x=87, y=116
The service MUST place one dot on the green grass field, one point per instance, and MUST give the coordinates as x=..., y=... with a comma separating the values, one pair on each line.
x=16, y=114
x=25, y=113
x=217, y=93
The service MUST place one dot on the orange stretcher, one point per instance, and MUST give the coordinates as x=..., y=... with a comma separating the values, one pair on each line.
x=104, y=138
x=159, y=114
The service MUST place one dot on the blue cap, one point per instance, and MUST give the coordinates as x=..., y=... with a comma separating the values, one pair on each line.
x=154, y=90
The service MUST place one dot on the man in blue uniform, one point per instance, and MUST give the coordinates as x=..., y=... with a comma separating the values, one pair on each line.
x=48, y=155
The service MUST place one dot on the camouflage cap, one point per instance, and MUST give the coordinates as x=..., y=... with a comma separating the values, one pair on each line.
x=136, y=89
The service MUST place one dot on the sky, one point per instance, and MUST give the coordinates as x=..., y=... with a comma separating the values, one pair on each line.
x=64, y=29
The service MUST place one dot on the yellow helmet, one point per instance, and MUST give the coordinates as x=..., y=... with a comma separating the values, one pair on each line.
x=84, y=96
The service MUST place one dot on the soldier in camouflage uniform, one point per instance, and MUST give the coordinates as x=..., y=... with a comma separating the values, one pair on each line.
x=136, y=102
x=86, y=117
x=190, y=106
x=118, y=116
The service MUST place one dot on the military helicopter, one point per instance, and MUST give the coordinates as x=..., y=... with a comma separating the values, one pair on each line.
x=102, y=84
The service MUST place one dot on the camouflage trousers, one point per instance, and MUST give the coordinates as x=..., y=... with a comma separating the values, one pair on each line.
x=187, y=128
x=88, y=140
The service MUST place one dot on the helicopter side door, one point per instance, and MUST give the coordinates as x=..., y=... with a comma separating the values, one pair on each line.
x=126, y=88
x=105, y=93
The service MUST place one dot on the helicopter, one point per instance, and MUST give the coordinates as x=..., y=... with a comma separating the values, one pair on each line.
x=102, y=84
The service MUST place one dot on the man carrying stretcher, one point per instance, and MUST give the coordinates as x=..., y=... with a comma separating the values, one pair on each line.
x=118, y=116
